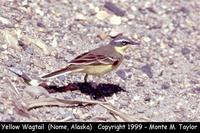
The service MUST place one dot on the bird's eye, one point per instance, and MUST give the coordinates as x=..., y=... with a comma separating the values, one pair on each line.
x=124, y=42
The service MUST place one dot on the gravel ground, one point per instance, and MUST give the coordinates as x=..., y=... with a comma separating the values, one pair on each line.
x=161, y=76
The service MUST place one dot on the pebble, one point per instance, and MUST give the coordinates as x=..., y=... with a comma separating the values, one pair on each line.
x=10, y=111
x=91, y=6
x=4, y=20
x=196, y=90
x=133, y=8
x=131, y=16
x=102, y=15
x=170, y=61
x=11, y=38
x=39, y=11
x=4, y=46
x=102, y=36
x=39, y=43
x=121, y=73
x=34, y=82
x=146, y=39
x=147, y=70
x=141, y=109
x=40, y=24
x=147, y=98
x=36, y=91
x=185, y=51
x=115, y=32
x=163, y=45
x=54, y=43
x=136, y=98
x=80, y=16
x=99, y=108
x=115, y=20
x=151, y=103
x=165, y=86
x=96, y=9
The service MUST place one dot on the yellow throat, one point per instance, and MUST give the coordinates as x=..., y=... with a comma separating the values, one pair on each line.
x=121, y=49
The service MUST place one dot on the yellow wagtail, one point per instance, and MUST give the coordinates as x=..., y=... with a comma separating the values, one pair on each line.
x=98, y=61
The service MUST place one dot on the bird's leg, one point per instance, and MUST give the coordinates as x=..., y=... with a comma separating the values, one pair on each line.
x=85, y=78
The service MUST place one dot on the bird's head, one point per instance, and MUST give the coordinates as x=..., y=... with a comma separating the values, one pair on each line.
x=121, y=43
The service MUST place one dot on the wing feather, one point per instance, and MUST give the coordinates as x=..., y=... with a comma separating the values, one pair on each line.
x=92, y=59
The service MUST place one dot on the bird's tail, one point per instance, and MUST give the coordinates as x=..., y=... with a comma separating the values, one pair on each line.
x=60, y=72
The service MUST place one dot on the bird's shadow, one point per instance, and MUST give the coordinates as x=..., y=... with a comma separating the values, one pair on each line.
x=95, y=90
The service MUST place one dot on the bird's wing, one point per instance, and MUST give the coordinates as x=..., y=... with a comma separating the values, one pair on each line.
x=93, y=59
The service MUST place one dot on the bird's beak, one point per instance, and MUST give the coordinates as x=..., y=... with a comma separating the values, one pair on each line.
x=135, y=42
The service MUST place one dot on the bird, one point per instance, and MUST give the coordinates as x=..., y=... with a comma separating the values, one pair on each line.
x=98, y=61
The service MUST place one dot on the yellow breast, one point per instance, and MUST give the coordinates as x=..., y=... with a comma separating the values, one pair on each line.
x=97, y=69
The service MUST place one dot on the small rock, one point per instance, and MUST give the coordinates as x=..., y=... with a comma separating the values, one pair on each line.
x=160, y=98
x=161, y=73
x=140, y=83
x=34, y=82
x=11, y=38
x=9, y=119
x=36, y=91
x=147, y=70
x=146, y=39
x=127, y=57
x=131, y=16
x=171, y=61
x=152, y=103
x=80, y=16
x=102, y=15
x=185, y=51
x=184, y=10
x=123, y=103
x=4, y=46
x=115, y=32
x=163, y=46
x=39, y=11
x=91, y=5
x=38, y=42
x=133, y=8
x=198, y=73
x=141, y=109
x=1, y=108
x=147, y=98
x=29, y=50
x=77, y=113
x=165, y=86
x=115, y=20
x=98, y=108
x=136, y=98
x=65, y=114
x=40, y=24
x=54, y=43
x=96, y=9
x=194, y=81
x=10, y=111
x=4, y=20
x=122, y=74
x=135, y=36
x=102, y=36
x=196, y=90
x=22, y=44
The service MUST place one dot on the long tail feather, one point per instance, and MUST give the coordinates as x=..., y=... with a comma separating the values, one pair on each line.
x=60, y=72
x=56, y=73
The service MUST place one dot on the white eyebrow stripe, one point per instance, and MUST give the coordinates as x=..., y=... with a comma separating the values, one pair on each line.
x=120, y=40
